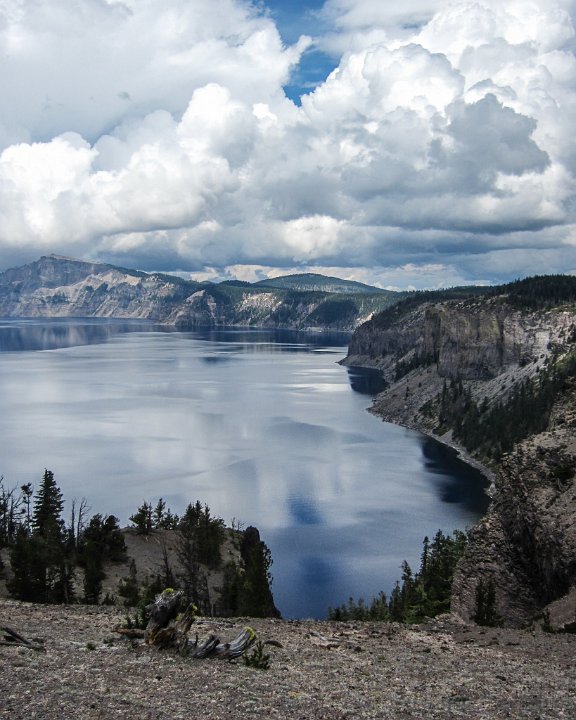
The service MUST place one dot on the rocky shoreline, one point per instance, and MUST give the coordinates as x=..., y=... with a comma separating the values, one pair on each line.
x=445, y=440
x=405, y=414
x=479, y=361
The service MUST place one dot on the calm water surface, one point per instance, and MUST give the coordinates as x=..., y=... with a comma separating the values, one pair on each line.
x=263, y=426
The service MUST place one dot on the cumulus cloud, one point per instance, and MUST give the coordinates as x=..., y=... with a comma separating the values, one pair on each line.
x=439, y=151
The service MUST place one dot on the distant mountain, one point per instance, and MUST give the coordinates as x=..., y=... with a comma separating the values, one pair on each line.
x=56, y=286
x=320, y=283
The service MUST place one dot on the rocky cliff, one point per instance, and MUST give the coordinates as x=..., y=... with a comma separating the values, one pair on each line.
x=55, y=286
x=495, y=377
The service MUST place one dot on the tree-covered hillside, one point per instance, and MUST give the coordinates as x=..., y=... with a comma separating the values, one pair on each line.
x=54, y=561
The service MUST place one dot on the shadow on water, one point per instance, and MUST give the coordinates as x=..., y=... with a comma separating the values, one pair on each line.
x=457, y=481
x=303, y=511
x=366, y=381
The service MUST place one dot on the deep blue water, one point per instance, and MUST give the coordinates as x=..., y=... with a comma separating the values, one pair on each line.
x=264, y=426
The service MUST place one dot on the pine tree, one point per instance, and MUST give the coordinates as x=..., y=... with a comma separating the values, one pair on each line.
x=101, y=540
x=255, y=595
x=128, y=587
x=41, y=564
x=142, y=518
x=48, y=505
x=28, y=568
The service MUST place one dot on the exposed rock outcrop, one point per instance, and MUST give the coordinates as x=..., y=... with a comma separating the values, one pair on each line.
x=477, y=339
x=55, y=286
x=490, y=349
x=527, y=541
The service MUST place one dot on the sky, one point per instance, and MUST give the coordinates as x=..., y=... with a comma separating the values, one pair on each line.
x=414, y=144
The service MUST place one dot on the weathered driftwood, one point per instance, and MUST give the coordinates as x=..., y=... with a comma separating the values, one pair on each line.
x=168, y=626
x=13, y=638
x=212, y=647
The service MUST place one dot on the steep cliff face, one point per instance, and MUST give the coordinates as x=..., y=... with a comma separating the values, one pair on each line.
x=469, y=340
x=488, y=354
x=63, y=287
x=527, y=542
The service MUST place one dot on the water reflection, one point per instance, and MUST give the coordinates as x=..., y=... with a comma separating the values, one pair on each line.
x=53, y=334
x=19, y=335
x=274, y=437
x=273, y=339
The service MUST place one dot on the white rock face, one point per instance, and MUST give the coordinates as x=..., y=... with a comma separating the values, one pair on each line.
x=62, y=287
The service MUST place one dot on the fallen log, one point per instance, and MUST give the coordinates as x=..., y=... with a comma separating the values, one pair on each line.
x=14, y=639
x=212, y=647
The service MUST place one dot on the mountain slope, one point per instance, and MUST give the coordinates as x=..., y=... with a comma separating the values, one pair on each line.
x=55, y=286
x=495, y=376
x=321, y=283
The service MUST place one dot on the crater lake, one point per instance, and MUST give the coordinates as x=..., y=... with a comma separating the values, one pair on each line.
x=264, y=426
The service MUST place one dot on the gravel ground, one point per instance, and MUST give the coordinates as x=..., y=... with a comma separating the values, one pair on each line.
x=323, y=670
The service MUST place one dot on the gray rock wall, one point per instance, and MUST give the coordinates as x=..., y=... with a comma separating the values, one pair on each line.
x=527, y=542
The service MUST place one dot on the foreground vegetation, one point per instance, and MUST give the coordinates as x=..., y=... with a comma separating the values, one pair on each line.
x=416, y=596
x=427, y=593
x=52, y=561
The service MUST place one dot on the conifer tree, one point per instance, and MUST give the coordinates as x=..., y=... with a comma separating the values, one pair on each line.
x=41, y=564
x=48, y=504
x=255, y=594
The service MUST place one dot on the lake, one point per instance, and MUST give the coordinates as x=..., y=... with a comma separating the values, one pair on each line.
x=263, y=426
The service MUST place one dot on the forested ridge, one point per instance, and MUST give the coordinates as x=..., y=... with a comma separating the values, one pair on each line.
x=539, y=292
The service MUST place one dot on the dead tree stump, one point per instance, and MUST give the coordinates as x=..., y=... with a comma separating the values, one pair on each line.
x=169, y=623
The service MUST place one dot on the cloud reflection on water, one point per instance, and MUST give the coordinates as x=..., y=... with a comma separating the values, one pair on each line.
x=340, y=497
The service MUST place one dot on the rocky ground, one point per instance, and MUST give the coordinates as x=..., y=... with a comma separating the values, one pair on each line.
x=324, y=670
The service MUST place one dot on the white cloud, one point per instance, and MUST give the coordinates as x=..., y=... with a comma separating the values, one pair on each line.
x=87, y=65
x=157, y=134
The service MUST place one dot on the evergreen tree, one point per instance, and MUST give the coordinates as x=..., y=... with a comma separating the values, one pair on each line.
x=255, y=594
x=142, y=518
x=101, y=540
x=28, y=567
x=230, y=592
x=205, y=532
x=193, y=578
x=41, y=562
x=128, y=587
x=27, y=492
x=48, y=504
x=396, y=608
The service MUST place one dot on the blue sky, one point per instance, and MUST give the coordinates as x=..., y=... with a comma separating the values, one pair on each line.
x=409, y=145
x=294, y=19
